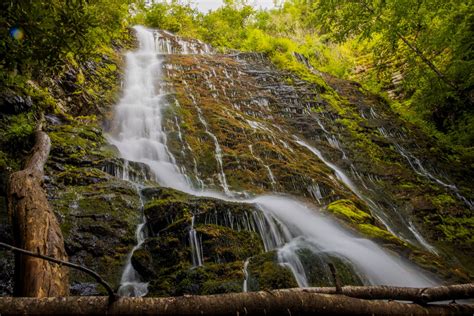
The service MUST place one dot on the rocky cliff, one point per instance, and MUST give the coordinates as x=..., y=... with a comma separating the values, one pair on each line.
x=237, y=124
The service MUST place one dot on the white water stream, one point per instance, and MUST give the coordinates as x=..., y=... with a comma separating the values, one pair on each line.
x=410, y=234
x=284, y=223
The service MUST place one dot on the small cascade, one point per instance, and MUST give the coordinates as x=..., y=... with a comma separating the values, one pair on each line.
x=130, y=282
x=218, y=153
x=185, y=146
x=312, y=231
x=407, y=234
x=420, y=238
x=128, y=171
x=168, y=43
x=246, y=276
x=315, y=192
x=196, y=246
x=288, y=257
x=273, y=232
x=334, y=142
x=270, y=173
x=418, y=167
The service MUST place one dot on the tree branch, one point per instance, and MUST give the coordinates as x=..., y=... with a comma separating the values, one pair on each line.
x=98, y=278
x=412, y=46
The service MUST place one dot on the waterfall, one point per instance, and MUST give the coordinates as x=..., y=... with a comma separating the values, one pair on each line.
x=284, y=224
x=196, y=245
x=270, y=173
x=418, y=167
x=317, y=233
x=130, y=282
x=218, y=152
x=139, y=133
x=246, y=275
x=410, y=234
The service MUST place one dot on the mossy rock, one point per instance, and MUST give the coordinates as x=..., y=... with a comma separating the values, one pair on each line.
x=222, y=244
x=98, y=222
x=318, y=272
x=347, y=210
x=210, y=279
x=168, y=206
x=79, y=142
x=265, y=274
x=81, y=176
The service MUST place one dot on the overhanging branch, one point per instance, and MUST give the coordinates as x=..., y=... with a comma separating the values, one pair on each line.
x=98, y=278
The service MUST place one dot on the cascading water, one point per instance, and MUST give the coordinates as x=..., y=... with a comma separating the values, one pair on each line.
x=130, y=282
x=196, y=247
x=410, y=234
x=139, y=134
x=283, y=223
x=320, y=234
x=246, y=275
x=418, y=167
x=270, y=173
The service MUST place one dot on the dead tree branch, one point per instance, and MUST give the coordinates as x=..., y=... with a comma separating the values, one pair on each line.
x=98, y=278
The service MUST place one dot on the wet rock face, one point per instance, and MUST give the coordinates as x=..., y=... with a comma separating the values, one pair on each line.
x=257, y=151
x=229, y=243
x=97, y=211
x=12, y=103
x=253, y=110
x=224, y=240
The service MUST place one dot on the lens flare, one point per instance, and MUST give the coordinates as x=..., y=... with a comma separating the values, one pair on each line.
x=17, y=33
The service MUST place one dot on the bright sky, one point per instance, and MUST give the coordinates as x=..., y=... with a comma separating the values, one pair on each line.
x=205, y=5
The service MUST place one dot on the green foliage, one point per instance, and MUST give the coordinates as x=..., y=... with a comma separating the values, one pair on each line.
x=428, y=43
x=17, y=131
x=42, y=33
x=459, y=229
x=176, y=16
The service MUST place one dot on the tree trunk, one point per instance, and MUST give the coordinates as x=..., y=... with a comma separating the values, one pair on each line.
x=279, y=302
x=35, y=228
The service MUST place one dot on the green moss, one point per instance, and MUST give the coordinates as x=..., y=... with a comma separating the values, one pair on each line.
x=346, y=209
x=443, y=200
x=82, y=176
x=407, y=186
x=16, y=132
x=375, y=232
x=266, y=274
x=458, y=229
x=317, y=270
x=223, y=244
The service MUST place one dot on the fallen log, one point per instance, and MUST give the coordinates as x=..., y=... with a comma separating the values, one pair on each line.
x=278, y=302
x=418, y=295
x=35, y=228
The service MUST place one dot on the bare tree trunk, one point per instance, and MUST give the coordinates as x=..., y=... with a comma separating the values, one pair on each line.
x=279, y=302
x=35, y=228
